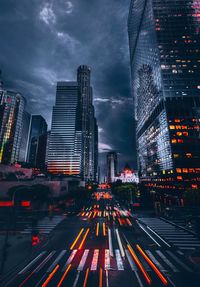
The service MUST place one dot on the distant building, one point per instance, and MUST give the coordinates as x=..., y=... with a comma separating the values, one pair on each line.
x=164, y=41
x=64, y=152
x=25, y=138
x=38, y=127
x=41, y=151
x=12, y=105
x=127, y=175
x=111, y=166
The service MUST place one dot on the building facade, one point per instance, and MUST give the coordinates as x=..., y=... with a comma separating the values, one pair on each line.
x=12, y=105
x=64, y=152
x=164, y=46
x=25, y=138
x=111, y=166
x=38, y=127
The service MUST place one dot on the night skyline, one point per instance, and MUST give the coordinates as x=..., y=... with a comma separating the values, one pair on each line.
x=48, y=44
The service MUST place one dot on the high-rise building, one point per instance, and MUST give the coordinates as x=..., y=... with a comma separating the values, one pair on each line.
x=37, y=128
x=73, y=145
x=12, y=105
x=64, y=152
x=164, y=41
x=41, y=151
x=111, y=166
x=25, y=138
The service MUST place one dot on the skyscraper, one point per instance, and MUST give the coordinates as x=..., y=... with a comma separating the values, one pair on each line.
x=12, y=105
x=164, y=53
x=37, y=128
x=111, y=166
x=25, y=138
x=64, y=153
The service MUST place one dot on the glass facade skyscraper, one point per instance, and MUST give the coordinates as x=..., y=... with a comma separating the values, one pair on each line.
x=12, y=105
x=111, y=166
x=164, y=41
x=64, y=151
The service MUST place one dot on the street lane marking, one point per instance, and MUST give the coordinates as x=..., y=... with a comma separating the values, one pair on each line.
x=158, y=236
x=71, y=257
x=153, y=266
x=86, y=278
x=83, y=260
x=56, y=261
x=110, y=242
x=41, y=265
x=97, y=229
x=107, y=259
x=120, y=243
x=84, y=238
x=139, y=264
x=120, y=265
x=46, y=282
x=76, y=239
x=76, y=279
x=104, y=229
x=148, y=234
x=107, y=282
x=155, y=260
x=64, y=276
x=95, y=260
x=32, y=262
x=164, y=258
x=179, y=262
x=130, y=260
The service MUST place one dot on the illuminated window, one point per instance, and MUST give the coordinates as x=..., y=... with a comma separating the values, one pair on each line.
x=178, y=127
x=184, y=127
x=180, y=141
x=185, y=134
x=178, y=170
x=172, y=127
x=176, y=155
x=177, y=121
x=173, y=140
x=179, y=177
x=179, y=134
x=185, y=170
x=194, y=186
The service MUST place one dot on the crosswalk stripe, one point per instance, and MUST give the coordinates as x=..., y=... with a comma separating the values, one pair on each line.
x=120, y=265
x=83, y=260
x=69, y=260
x=155, y=261
x=32, y=262
x=95, y=260
x=107, y=259
x=164, y=258
x=179, y=262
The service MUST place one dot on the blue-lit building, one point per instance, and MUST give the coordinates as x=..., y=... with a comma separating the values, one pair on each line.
x=164, y=42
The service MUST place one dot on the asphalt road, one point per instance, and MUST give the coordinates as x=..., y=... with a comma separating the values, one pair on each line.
x=104, y=246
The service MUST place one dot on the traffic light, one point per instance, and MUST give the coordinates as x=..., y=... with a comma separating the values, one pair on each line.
x=35, y=240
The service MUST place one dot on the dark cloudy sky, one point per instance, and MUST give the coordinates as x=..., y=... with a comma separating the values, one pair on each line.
x=44, y=41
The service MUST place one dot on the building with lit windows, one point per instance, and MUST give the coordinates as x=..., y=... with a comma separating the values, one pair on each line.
x=111, y=166
x=64, y=151
x=127, y=175
x=73, y=143
x=164, y=42
x=12, y=105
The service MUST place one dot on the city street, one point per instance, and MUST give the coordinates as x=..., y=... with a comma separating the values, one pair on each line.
x=105, y=245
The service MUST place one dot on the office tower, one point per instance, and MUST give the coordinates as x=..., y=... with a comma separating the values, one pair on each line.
x=96, y=152
x=88, y=122
x=12, y=105
x=164, y=41
x=47, y=148
x=111, y=166
x=37, y=128
x=25, y=138
x=64, y=153
x=41, y=151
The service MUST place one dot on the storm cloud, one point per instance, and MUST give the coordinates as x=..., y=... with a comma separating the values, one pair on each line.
x=45, y=41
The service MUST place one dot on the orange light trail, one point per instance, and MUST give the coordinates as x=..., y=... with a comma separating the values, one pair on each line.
x=153, y=266
x=83, y=213
x=86, y=277
x=146, y=276
x=64, y=275
x=84, y=238
x=90, y=214
x=100, y=277
x=120, y=222
x=94, y=214
x=128, y=221
x=97, y=229
x=77, y=238
x=104, y=229
x=50, y=276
